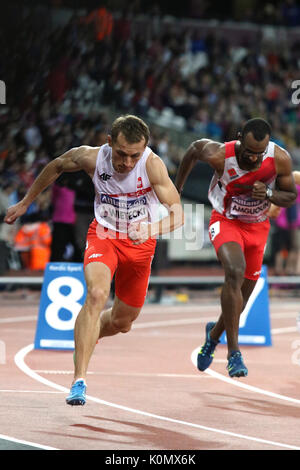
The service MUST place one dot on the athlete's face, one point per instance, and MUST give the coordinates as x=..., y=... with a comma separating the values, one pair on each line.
x=125, y=155
x=251, y=151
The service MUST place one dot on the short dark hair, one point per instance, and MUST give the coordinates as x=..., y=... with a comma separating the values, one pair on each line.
x=259, y=128
x=132, y=127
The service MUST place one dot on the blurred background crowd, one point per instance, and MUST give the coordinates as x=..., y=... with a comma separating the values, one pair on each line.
x=198, y=70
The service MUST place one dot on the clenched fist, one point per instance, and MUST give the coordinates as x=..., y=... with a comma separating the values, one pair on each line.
x=139, y=232
x=259, y=190
x=14, y=212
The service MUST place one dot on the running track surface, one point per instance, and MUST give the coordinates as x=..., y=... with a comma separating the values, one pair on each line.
x=144, y=391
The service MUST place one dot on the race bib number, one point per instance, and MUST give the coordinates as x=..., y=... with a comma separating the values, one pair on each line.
x=249, y=209
x=122, y=212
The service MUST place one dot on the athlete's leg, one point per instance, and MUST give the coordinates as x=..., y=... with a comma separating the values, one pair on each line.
x=233, y=261
x=87, y=326
x=131, y=285
x=247, y=288
x=117, y=319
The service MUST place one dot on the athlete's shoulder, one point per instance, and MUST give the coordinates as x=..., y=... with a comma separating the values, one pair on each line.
x=87, y=157
x=207, y=147
x=154, y=161
x=85, y=151
x=280, y=152
x=152, y=157
x=156, y=168
x=283, y=160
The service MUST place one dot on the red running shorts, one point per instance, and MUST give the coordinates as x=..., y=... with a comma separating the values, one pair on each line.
x=131, y=264
x=252, y=237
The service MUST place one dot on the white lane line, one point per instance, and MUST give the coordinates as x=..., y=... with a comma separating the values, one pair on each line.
x=288, y=329
x=20, y=362
x=28, y=391
x=192, y=321
x=162, y=323
x=238, y=383
x=18, y=319
x=32, y=444
x=182, y=311
x=183, y=321
x=123, y=374
x=289, y=314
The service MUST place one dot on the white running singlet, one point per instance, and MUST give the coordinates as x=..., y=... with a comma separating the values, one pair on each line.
x=121, y=199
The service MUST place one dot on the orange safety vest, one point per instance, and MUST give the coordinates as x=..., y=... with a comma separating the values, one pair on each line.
x=34, y=239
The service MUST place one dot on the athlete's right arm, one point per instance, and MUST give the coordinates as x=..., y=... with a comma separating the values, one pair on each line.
x=204, y=150
x=75, y=159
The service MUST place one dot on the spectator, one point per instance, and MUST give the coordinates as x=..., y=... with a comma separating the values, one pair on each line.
x=102, y=20
x=33, y=242
x=8, y=197
x=63, y=222
x=286, y=240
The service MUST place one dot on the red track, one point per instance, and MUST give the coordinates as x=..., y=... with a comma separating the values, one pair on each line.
x=150, y=370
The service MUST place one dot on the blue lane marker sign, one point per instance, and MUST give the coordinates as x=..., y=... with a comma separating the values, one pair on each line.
x=255, y=328
x=63, y=294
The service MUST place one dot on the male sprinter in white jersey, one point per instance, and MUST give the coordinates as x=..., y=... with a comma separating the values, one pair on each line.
x=250, y=173
x=130, y=181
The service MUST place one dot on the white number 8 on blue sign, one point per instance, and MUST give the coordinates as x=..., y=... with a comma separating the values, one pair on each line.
x=59, y=301
x=63, y=294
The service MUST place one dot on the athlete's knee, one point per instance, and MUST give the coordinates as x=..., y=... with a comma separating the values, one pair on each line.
x=97, y=296
x=234, y=274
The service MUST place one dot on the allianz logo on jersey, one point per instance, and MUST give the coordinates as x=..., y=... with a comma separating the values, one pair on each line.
x=105, y=176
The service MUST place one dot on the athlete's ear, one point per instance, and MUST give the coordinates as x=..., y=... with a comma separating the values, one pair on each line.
x=239, y=136
x=109, y=140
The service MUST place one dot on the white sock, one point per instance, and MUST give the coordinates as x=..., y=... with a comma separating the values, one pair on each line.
x=80, y=378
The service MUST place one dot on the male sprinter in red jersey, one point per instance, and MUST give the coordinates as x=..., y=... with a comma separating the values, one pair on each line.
x=250, y=173
x=130, y=182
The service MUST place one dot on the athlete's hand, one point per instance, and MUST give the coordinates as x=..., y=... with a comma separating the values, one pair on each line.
x=259, y=190
x=139, y=232
x=14, y=212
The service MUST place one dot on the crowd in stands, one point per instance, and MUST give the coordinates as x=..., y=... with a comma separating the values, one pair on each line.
x=61, y=81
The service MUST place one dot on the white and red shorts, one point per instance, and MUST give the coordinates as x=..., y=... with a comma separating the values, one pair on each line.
x=131, y=264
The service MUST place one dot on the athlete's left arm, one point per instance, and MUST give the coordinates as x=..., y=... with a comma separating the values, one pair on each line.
x=285, y=192
x=167, y=195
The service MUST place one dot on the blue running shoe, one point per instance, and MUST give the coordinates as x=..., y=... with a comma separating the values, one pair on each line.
x=206, y=353
x=77, y=393
x=236, y=366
